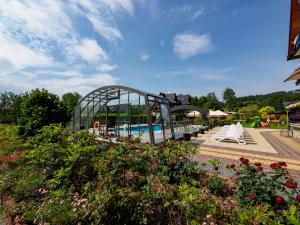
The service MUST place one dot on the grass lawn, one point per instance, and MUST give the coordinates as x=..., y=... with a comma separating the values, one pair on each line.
x=272, y=125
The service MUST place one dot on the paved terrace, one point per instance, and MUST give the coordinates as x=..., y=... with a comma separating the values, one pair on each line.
x=264, y=145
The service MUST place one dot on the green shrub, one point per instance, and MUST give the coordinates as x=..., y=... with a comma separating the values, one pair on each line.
x=38, y=109
x=257, y=186
x=72, y=178
x=263, y=214
x=283, y=119
x=216, y=185
x=266, y=110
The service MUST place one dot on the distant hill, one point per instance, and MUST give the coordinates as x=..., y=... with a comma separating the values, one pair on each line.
x=274, y=99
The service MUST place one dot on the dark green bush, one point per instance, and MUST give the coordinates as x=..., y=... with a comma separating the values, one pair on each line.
x=38, y=109
x=72, y=178
x=217, y=185
x=255, y=185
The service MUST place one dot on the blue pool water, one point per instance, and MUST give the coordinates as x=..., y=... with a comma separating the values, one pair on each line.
x=143, y=128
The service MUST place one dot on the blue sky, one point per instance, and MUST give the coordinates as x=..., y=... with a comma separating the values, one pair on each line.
x=183, y=46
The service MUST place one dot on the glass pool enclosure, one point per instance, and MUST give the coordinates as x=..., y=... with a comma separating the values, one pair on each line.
x=122, y=111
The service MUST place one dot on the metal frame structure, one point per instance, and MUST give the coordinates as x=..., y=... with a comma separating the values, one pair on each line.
x=101, y=101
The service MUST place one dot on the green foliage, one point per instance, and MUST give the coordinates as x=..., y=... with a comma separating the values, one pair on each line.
x=251, y=109
x=40, y=108
x=257, y=186
x=10, y=104
x=262, y=214
x=209, y=102
x=266, y=110
x=72, y=178
x=275, y=99
x=217, y=185
x=283, y=119
x=229, y=98
x=292, y=214
x=70, y=100
x=212, y=102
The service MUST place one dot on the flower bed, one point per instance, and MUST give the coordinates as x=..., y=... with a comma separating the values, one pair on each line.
x=59, y=177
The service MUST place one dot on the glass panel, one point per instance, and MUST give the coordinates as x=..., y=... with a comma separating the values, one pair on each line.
x=144, y=131
x=112, y=116
x=134, y=114
x=156, y=121
x=123, y=121
x=166, y=120
x=76, y=119
x=151, y=98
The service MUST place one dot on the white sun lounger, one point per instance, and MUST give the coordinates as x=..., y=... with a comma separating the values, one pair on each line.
x=233, y=132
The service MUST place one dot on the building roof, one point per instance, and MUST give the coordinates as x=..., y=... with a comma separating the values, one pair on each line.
x=172, y=97
x=294, y=76
x=185, y=99
x=294, y=30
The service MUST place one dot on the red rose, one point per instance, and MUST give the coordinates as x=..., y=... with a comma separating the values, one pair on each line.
x=130, y=136
x=252, y=196
x=244, y=160
x=273, y=165
x=290, y=184
x=258, y=164
x=282, y=164
x=279, y=200
x=232, y=166
x=297, y=198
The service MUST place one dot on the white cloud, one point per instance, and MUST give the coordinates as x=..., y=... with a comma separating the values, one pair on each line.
x=187, y=45
x=145, y=57
x=102, y=14
x=38, y=24
x=197, y=14
x=38, y=41
x=90, y=51
x=184, y=10
x=104, y=29
x=20, y=56
x=78, y=83
x=107, y=67
x=118, y=5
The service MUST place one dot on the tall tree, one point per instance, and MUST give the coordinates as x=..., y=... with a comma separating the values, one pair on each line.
x=70, y=100
x=212, y=102
x=199, y=101
x=229, y=98
x=38, y=109
x=10, y=104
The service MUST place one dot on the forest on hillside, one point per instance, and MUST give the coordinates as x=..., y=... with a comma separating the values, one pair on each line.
x=252, y=102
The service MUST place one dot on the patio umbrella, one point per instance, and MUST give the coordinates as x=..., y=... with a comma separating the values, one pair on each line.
x=295, y=75
x=194, y=114
x=217, y=113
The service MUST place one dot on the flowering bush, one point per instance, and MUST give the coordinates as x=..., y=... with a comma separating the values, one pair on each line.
x=255, y=185
x=59, y=177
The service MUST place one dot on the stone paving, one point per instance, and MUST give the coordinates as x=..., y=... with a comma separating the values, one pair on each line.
x=265, y=146
x=253, y=136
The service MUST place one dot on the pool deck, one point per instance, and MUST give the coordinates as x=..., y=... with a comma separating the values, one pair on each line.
x=264, y=145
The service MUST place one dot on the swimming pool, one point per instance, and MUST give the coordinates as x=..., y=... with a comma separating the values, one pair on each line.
x=142, y=129
x=145, y=128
